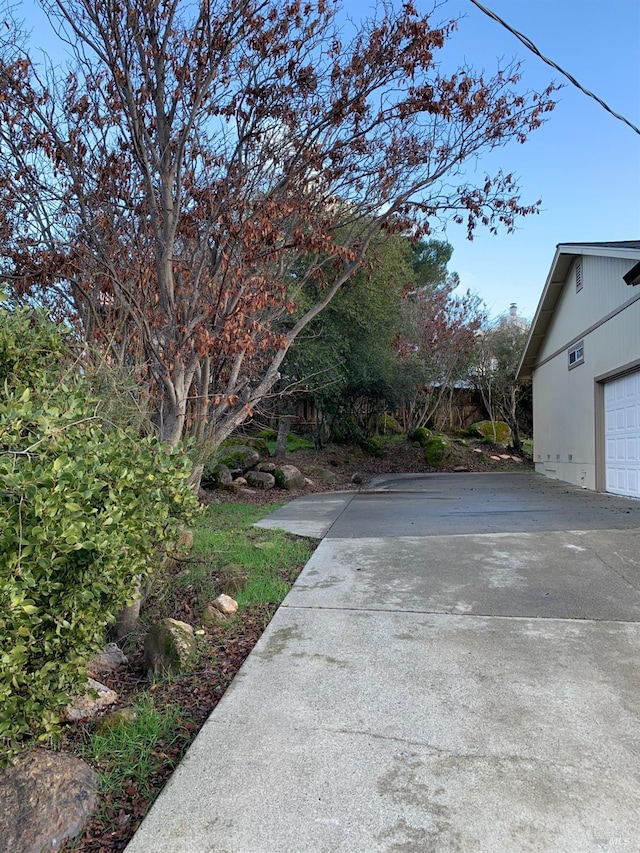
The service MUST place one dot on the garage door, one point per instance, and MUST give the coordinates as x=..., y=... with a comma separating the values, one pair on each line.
x=622, y=434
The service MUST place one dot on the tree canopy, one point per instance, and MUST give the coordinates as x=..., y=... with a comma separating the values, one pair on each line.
x=176, y=189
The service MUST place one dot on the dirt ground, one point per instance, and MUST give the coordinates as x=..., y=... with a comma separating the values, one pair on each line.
x=345, y=463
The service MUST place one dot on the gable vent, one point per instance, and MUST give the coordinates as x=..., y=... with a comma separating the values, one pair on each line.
x=578, y=276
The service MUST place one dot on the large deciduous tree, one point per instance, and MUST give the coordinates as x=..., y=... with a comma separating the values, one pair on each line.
x=197, y=164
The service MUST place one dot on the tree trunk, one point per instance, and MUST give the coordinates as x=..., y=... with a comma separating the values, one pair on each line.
x=284, y=428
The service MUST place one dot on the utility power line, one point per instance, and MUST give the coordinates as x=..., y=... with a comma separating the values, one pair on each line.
x=528, y=43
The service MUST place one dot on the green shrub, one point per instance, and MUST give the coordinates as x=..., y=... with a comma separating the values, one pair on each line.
x=372, y=446
x=83, y=508
x=268, y=434
x=420, y=435
x=437, y=450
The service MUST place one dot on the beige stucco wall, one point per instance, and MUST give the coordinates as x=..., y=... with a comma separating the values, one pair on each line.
x=564, y=400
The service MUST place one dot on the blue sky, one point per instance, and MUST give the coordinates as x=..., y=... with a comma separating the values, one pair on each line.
x=583, y=163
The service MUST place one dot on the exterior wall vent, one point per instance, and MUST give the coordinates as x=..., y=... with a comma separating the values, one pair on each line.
x=578, y=276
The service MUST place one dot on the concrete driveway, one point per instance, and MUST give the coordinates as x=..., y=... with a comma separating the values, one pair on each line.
x=456, y=669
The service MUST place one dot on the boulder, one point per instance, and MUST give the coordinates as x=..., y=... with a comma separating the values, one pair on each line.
x=258, y=443
x=323, y=475
x=485, y=429
x=260, y=480
x=289, y=477
x=169, y=647
x=267, y=467
x=238, y=458
x=234, y=577
x=420, y=435
x=46, y=799
x=185, y=542
x=222, y=474
x=437, y=450
x=107, y=661
x=225, y=604
x=211, y=616
x=122, y=717
x=357, y=478
x=89, y=705
x=388, y=425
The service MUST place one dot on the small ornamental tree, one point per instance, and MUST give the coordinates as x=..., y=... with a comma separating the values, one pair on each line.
x=494, y=371
x=439, y=337
x=176, y=188
x=83, y=509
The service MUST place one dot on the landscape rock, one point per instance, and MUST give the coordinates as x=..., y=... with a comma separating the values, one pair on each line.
x=516, y=459
x=238, y=458
x=323, y=475
x=420, y=436
x=169, y=647
x=460, y=469
x=504, y=456
x=225, y=604
x=357, y=478
x=485, y=429
x=260, y=480
x=437, y=450
x=122, y=717
x=185, y=542
x=222, y=475
x=211, y=616
x=88, y=705
x=267, y=467
x=388, y=425
x=495, y=458
x=257, y=442
x=234, y=577
x=289, y=477
x=107, y=661
x=46, y=799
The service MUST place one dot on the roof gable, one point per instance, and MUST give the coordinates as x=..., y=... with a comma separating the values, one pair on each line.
x=563, y=259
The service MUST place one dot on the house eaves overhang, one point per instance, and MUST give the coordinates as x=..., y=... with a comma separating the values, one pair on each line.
x=565, y=255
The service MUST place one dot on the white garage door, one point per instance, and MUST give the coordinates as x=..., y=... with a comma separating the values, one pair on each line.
x=622, y=434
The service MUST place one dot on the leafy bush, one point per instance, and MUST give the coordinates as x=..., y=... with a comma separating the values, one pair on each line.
x=372, y=446
x=83, y=508
x=268, y=434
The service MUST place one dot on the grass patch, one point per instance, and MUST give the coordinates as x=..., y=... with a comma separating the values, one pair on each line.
x=225, y=536
x=294, y=443
x=126, y=756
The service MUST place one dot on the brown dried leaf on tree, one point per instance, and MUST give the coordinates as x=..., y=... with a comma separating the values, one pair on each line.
x=203, y=165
